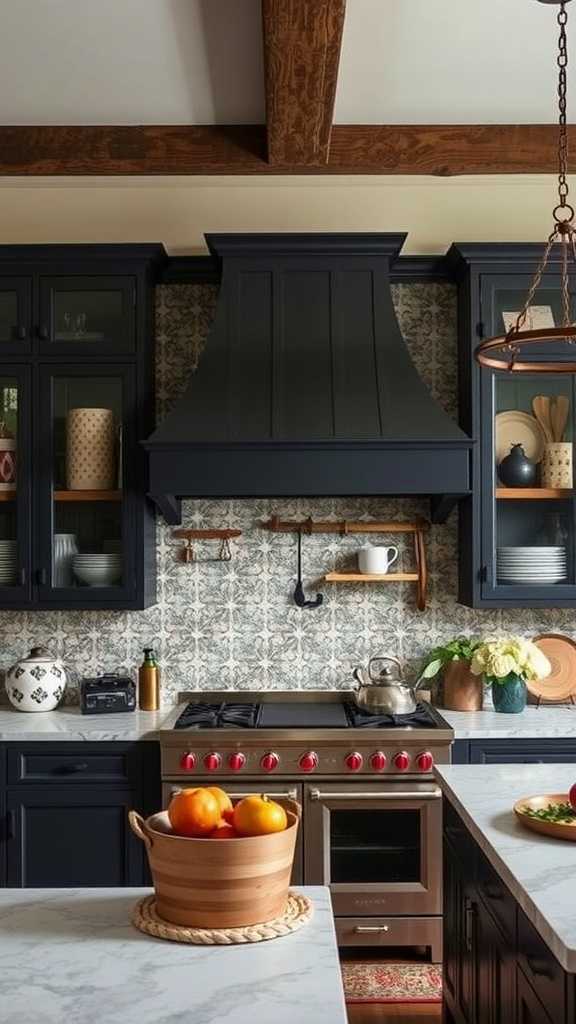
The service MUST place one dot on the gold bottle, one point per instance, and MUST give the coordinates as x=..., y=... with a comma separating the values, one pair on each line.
x=149, y=682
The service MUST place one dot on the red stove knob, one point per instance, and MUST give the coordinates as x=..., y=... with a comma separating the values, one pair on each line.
x=402, y=761
x=309, y=761
x=236, y=761
x=354, y=761
x=425, y=761
x=188, y=762
x=378, y=761
x=270, y=761
x=212, y=762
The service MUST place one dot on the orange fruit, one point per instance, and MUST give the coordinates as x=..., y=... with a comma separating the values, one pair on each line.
x=194, y=812
x=224, y=831
x=258, y=815
x=224, y=801
x=228, y=815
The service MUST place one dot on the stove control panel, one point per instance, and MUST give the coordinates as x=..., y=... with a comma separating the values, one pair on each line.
x=253, y=760
x=269, y=762
x=309, y=761
x=354, y=761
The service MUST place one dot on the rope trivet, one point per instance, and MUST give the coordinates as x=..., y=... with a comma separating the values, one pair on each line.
x=298, y=912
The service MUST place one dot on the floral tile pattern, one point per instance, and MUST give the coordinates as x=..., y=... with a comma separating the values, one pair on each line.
x=234, y=624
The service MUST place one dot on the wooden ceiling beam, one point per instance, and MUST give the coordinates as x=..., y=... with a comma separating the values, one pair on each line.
x=241, y=149
x=302, y=41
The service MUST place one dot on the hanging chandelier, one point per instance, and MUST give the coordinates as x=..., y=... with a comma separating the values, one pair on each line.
x=504, y=352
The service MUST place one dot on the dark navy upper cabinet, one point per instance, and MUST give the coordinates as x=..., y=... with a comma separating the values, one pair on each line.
x=76, y=357
x=496, y=409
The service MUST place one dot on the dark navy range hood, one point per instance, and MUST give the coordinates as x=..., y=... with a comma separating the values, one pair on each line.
x=305, y=386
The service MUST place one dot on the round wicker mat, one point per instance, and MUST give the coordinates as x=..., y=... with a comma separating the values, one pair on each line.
x=298, y=912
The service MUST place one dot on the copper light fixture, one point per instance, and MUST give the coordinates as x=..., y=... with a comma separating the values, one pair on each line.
x=503, y=352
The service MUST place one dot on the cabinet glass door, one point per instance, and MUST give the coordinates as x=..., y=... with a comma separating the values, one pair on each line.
x=85, y=554
x=14, y=486
x=87, y=314
x=15, y=314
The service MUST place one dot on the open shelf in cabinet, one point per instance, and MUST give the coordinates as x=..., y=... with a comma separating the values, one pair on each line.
x=533, y=493
x=87, y=495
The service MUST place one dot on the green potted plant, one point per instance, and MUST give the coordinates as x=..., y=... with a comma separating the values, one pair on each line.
x=459, y=689
x=506, y=662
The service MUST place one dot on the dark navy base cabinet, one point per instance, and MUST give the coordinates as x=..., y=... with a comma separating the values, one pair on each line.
x=65, y=812
x=497, y=969
x=514, y=751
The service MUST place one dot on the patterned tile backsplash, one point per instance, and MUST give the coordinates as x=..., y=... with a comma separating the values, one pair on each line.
x=233, y=625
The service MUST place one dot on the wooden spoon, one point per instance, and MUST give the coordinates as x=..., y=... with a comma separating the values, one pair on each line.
x=541, y=410
x=560, y=416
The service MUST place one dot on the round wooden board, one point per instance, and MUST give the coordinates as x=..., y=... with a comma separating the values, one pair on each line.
x=561, y=683
x=545, y=828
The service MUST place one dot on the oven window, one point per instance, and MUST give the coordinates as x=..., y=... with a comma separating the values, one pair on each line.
x=367, y=846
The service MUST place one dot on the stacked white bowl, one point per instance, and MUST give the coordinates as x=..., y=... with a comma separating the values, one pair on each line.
x=541, y=565
x=97, y=570
x=8, y=556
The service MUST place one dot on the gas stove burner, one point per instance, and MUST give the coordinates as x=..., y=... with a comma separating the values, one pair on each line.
x=218, y=716
x=418, y=719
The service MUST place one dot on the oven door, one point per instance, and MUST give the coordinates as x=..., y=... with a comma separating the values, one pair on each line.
x=236, y=790
x=378, y=847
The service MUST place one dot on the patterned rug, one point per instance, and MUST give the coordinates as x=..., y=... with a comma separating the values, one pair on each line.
x=392, y=983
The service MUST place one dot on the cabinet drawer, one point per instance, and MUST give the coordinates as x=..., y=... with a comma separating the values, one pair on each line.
x=497, y=898
x=542, y=969
x=71, y=764
x=379, y=932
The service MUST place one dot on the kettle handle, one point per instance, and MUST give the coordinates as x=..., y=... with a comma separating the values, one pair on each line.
x=382, y=657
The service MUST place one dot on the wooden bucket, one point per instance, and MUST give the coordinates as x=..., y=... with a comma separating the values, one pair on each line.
x=218, y=883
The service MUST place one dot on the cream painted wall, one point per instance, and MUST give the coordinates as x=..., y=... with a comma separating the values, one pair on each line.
x=177, y=211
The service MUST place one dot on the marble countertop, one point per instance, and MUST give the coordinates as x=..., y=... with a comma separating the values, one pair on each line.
x=68, y=723
x=532, y=723
x=539, y=871
x=72, y=955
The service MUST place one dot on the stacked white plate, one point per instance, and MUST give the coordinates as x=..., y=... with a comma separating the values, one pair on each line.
x=531, y=565
x=8, y=554
x=97, y=570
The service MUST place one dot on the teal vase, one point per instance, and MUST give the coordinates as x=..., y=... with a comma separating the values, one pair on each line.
x=510, y=695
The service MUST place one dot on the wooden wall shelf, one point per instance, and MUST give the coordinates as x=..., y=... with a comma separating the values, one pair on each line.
x=87, y=495
x=533, y=493
x=344, y=527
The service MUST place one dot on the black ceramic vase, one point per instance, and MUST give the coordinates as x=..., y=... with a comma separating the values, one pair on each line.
x=516, y=470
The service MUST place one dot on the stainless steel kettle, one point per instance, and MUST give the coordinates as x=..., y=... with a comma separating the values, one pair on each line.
x=384, y=691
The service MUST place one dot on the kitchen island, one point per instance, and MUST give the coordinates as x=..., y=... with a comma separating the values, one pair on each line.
x=509, y=904
x=73, y=955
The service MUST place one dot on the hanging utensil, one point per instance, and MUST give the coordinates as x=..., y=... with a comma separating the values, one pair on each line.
x=299, y=595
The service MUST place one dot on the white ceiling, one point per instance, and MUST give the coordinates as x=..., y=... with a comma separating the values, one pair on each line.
x=200, y=61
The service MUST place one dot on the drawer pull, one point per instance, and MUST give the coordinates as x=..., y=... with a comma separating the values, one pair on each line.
x=539, y=967
x=469, y=918
x=371, y=929
x=74, y=769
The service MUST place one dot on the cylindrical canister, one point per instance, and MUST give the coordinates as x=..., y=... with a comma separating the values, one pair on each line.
x=90, y=450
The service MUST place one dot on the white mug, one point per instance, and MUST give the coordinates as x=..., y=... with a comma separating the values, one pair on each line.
x=377, y=559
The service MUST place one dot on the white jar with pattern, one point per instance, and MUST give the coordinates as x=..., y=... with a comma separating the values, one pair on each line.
x=36, y=683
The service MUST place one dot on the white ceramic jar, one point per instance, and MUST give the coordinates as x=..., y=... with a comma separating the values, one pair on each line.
x=36, y=683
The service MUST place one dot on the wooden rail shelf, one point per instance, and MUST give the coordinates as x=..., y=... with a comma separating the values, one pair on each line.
x=190, y=535
x=344, y=527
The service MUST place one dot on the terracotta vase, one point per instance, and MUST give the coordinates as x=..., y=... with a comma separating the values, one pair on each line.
x=461, y=690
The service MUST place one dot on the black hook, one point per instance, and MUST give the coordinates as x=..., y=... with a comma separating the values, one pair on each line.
x=299, y=595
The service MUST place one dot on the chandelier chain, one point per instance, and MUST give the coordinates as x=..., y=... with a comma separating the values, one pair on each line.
x=562, y=62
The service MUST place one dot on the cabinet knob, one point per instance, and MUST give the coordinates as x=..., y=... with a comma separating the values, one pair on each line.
x=43, y=332
x=21, y=332
x=41, y=577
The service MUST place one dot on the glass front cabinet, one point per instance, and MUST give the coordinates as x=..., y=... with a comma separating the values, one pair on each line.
x=76, y=399
x=517, y=530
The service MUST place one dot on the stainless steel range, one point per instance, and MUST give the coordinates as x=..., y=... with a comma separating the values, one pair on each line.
x=371, y=820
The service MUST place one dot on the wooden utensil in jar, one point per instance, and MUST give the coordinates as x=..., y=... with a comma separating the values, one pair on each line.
x=541, y=410
x=559, y=416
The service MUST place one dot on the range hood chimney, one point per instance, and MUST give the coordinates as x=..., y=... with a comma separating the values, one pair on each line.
x=306, y=387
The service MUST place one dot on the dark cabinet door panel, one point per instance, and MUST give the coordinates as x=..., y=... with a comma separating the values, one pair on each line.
x=545, y=751
x=15, y=314
x=73, y=764
x=59, y=837
x=529, y=1009
x=87, y=314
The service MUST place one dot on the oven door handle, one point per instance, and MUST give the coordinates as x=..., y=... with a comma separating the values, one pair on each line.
x=388, y=797
x=286, y=794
